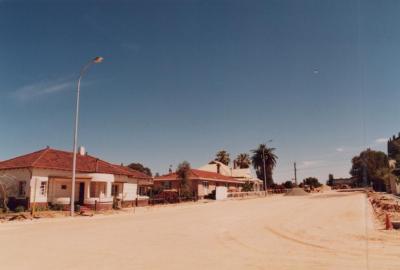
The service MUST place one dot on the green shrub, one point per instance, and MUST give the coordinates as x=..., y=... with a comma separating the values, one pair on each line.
x=41, y=208
x=247, y=187
x=19, y=208
x=288, y=184
x=57, y=207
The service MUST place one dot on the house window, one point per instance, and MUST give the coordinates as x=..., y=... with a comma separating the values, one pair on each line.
x=64, y=187
x=205, y=184
x=21, y=188
x=43, y=188
x=167, y=185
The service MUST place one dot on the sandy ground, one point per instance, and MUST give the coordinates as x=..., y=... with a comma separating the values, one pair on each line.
x=326, y=231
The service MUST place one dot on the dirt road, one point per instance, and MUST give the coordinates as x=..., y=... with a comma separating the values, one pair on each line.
x=327, y=231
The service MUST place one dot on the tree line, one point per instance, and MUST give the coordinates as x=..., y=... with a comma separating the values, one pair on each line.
x=260, y=157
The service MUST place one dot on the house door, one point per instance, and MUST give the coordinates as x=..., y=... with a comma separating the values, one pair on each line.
x=81, y=193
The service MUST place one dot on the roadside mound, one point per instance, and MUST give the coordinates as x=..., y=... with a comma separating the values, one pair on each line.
x=325, y=188
x=297, y=192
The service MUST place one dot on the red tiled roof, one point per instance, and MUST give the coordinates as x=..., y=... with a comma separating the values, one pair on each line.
x=199, y=175
x=49, y=158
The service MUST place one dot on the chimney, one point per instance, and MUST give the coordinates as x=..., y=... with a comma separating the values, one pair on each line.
x=82, y=151
x=218, y=168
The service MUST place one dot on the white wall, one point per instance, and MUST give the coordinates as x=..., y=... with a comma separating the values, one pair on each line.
x=129, y=192
x=42, y=175
x=221, y=193
x=34, y=181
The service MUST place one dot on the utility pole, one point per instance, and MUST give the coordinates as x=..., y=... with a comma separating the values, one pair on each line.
x=295, y=174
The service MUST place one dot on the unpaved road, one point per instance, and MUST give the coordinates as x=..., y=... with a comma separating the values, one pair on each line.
x=327, y=231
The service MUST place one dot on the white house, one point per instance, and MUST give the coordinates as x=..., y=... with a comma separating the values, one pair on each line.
x=44, y=178
x=242, y=174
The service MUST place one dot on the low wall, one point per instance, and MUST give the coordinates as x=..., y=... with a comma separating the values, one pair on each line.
x=246, y=194
x=142, y=202
x=128, y=204
x=99, y=206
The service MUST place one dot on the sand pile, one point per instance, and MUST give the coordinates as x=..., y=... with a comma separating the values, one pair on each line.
x=325, y=188
x=296, y=192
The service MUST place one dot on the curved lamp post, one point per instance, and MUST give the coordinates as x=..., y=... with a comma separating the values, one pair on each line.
x=95, y=60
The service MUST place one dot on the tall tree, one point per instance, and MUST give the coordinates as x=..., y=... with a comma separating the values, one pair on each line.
x=183, y=172
x=375, y=166
x=223, y=157
x=259, y=154
x=312, y=181
x=139, y=167
x=243, y=161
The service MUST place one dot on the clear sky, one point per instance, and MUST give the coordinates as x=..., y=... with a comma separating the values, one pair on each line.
x=184, y=79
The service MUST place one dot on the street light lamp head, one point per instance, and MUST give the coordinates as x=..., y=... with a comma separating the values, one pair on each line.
x=98, y=59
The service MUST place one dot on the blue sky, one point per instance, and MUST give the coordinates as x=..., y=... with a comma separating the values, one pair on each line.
x=184, y=79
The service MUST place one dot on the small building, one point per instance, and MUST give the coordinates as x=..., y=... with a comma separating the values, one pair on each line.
x=242, y=174
x=44, y=178
x=202, y=183
x=340, y=182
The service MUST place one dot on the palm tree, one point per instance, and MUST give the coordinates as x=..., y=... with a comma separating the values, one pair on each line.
x=243, y=161
x=259, y=155
x=223, y=157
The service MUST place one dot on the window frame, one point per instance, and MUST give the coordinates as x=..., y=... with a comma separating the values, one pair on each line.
x=43, y=188
x=21, y=188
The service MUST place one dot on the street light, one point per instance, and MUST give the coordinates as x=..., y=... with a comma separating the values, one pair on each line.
x=95, y=60
x=265, y=176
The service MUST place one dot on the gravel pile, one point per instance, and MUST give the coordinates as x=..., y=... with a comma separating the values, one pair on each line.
x=297, y=192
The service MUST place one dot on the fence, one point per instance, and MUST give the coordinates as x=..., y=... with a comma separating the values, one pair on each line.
x=246, y=194
x=257, y=193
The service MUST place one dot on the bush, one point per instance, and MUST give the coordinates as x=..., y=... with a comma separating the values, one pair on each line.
x=39, y=208
x=212, y=195
x=155, y=191
x=312, y=182
x=247, y=187
x=19, y=208
x=186, y=195
x=288, y=184
x=56, y=207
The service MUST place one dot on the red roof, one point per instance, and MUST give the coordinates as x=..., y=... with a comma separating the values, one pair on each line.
x=49, y=158
x=199, y=175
